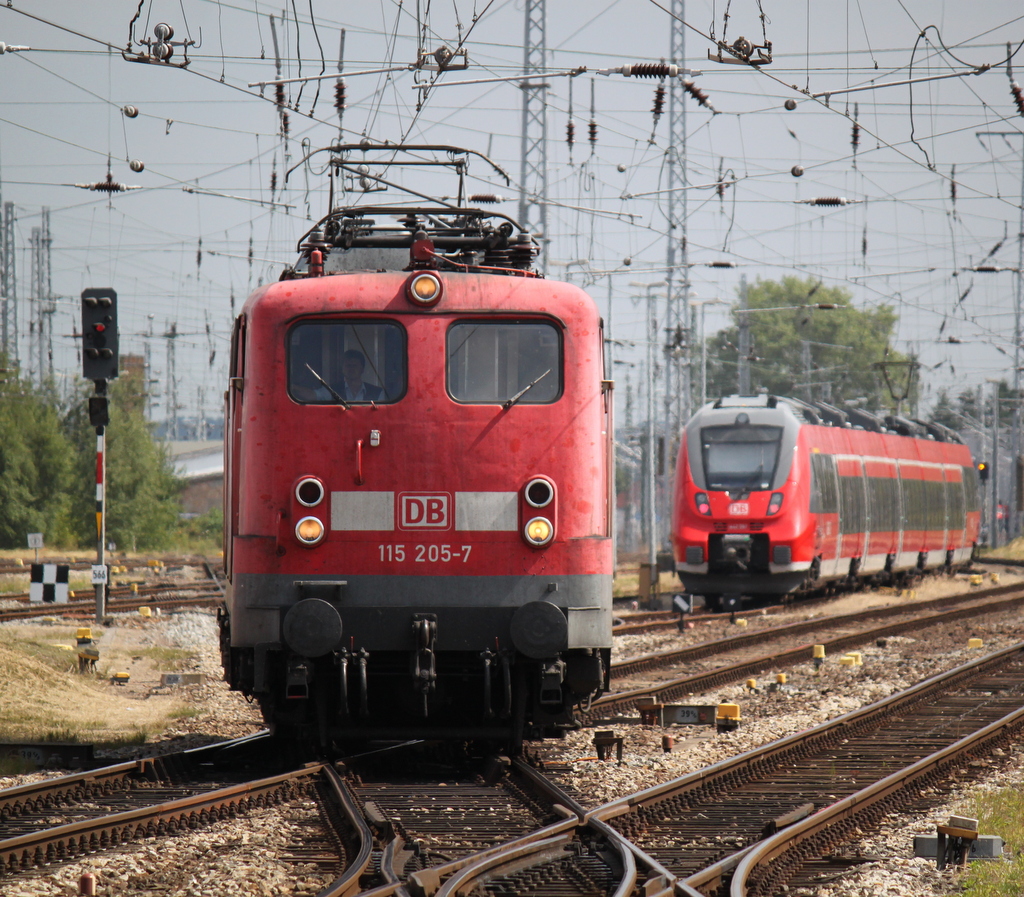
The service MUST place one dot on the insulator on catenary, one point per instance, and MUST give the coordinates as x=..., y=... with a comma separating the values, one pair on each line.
x=285, y=123
x=659, y=101
x=826, y=201
x=273, y=183
x=694, y=91
x=1018, y=96
x=279, y=95
x=488, y=198
x=721, y=264
x=855, y=138
x=952, y=184
x=570, y=133
x=592, y=136
x=648, y=70
x=340, y=95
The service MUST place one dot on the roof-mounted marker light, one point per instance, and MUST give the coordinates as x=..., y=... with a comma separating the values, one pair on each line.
x=424, y=289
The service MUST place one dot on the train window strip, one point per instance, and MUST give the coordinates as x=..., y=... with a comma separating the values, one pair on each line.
x=884, y=504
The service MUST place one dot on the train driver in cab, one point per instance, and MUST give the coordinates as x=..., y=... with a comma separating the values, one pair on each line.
x=356, y=389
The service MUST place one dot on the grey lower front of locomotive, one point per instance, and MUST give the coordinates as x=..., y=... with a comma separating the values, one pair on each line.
x=386, y=654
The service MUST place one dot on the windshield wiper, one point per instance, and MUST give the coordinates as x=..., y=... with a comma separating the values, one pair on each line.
x=510, y=402
x=750, y=480
x=337, y=398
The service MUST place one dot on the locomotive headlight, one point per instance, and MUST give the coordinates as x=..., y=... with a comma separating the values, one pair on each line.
x=702, y=503
x=424, y=289
x=774, y=503
x=538, y=532
x=309, y=492
x=538, y=493
x=309, y=530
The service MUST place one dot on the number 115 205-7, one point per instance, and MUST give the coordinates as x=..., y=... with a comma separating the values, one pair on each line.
x=425, y=553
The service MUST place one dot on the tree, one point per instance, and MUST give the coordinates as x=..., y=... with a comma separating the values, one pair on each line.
x=965, y=411
x=35, y=466
x=823, y=354
x=141, y=490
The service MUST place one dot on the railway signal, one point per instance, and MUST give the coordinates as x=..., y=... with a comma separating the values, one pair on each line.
x=99, y=334
x=983, y=471
x=99, y=364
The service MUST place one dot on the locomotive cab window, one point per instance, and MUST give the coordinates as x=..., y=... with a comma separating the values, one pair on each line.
x=498, y=362
x=330, y=362
x=740, y=458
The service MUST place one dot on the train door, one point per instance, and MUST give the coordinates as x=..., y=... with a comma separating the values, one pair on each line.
x=825, y=503
x=232, y=439
x=911, y=515
x=882, y=516
x=955, y=513
x=607, y=393
x=853, y=524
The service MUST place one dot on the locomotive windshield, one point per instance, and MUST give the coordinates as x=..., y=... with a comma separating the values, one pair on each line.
x=333, y=362
x=497, y=362
x=740, y=458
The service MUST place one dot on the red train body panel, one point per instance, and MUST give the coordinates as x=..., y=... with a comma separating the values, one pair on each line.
x=420, y=606
x=774, y=495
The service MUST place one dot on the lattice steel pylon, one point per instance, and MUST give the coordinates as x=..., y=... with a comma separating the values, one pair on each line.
x=533, y=172
x=679, y=328
x=41, y=349
x=8, y=286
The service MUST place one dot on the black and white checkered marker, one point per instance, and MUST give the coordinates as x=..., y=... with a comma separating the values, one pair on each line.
x=49, y=584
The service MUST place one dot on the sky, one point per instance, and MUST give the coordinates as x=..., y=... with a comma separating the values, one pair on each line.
x=929, y=192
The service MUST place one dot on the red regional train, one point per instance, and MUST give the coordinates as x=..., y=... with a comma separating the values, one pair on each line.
x=775, y=495
x=418, y=500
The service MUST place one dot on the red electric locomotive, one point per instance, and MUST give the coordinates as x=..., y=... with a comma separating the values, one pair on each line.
x=775, y=495
x=419, y=471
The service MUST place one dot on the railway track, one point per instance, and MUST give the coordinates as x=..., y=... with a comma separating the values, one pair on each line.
x=756, y=821
x=22, y=565
x=910, y=619
x=771, y=817
x=124, y=599
x=63, y=819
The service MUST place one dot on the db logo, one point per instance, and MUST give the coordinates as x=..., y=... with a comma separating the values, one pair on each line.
x=739, y=509
x=421, y=511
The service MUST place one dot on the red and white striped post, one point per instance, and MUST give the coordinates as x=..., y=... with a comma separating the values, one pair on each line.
x=101, y=520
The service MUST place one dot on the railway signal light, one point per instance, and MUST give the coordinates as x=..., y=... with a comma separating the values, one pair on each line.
x=983, y=471
x=99, y=334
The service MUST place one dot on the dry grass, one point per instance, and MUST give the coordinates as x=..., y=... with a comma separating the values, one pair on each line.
x=1013, y=550
x=45, y=698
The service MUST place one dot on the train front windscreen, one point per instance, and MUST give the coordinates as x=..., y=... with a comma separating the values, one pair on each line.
x=740, y=458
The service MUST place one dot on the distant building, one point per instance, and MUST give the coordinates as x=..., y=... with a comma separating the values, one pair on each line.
x=201, y=466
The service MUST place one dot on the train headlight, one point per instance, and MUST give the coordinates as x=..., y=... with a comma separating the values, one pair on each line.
x=424, y=289
x=539, y=493
x=309, y=530
x=309, y=492
x=539, y=531
x=702, y=503
x=775, y=503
